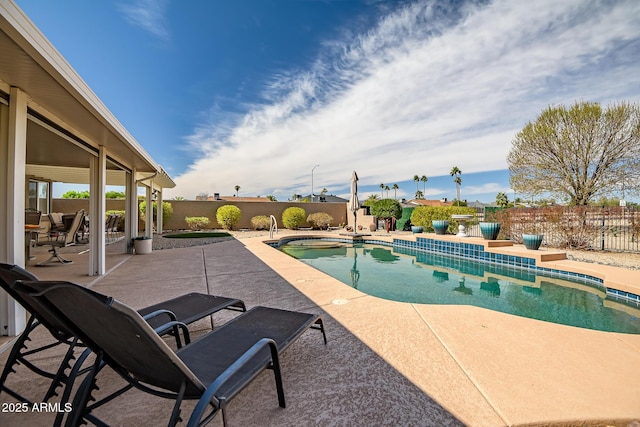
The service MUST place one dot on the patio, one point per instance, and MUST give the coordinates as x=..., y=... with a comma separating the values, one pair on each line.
x=385, y=363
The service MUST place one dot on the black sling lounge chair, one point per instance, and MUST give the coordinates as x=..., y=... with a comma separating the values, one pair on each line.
x=168, y=317
x=213, y=369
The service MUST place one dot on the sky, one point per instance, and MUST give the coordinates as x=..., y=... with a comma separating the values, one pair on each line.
x=277, y=95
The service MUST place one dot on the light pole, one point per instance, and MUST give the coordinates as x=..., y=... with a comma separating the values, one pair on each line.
x=312, y=169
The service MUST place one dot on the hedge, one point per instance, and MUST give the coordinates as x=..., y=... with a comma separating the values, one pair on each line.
x=423, y=215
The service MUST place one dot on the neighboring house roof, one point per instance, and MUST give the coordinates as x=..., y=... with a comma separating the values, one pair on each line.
x=425, y=202
x=327, y=198
x=477, y=204
x=232, y=199
x=241, y=199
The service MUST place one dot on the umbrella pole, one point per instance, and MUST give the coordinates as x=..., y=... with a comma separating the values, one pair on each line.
x=355, y=222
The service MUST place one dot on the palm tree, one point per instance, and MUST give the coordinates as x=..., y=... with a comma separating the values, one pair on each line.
x=386, y=187
x=382, y=190
x=418, y=194
x=395, y=189
x=455, y=172
x=237, y=187
x=424, y=180
x=178, y=198
x=416, y=178
x=502, y=200
x=370, y=200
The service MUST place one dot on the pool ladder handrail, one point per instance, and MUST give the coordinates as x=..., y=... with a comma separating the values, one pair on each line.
x=273, y=225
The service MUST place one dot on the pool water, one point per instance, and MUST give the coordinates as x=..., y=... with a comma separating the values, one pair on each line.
x=402, y=275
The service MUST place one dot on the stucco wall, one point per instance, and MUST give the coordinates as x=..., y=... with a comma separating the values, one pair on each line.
x=185, y=208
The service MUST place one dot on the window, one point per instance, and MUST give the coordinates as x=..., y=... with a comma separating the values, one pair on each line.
x=38, y=196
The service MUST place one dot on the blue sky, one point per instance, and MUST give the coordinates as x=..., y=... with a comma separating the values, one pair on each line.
x=256, y=93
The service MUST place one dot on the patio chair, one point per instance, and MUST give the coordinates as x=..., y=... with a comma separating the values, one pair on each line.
x=68, y=238
x=111, y=227
x=164, y=317
x=212, y=369
x=32, y=217
x=55, y=222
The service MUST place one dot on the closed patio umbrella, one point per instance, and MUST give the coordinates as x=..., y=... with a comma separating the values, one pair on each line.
x=354, y=203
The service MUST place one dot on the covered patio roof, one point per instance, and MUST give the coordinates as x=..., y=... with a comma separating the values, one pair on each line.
x=67, y=122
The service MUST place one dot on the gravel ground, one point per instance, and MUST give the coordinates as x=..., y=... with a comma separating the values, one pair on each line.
x=619, y=259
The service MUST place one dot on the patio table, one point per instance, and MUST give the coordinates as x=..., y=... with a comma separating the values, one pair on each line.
x=31, y=232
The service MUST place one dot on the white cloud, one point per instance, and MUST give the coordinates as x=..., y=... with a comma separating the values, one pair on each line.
x=148, y=15
x=427, y=88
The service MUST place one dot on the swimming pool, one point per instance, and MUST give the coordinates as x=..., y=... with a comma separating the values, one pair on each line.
x=406, y=275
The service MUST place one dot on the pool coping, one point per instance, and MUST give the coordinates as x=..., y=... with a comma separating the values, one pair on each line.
x=508, y=370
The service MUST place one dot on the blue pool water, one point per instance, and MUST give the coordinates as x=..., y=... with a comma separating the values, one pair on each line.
x=402, y=275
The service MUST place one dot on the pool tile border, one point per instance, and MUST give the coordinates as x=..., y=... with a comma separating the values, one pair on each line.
x=477, y=253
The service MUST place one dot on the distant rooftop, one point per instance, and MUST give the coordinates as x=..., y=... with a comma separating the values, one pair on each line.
x=232, y=198
x=425, y=202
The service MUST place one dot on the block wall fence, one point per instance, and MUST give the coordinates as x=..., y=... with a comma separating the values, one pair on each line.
x=185, y=208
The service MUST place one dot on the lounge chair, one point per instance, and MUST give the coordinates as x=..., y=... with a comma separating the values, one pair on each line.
x=213, y=369
x=165, y=317
x=61, y=239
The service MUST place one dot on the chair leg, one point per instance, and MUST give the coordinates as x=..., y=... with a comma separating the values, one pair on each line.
x=14, y=356
x=61, y=378
x=83, y=395
x=55, y=255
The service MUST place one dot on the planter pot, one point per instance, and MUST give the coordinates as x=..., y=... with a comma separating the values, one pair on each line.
x=142, y=246
x=416, y=228
x=490, y=230
x=440, y=226
x=532, y=241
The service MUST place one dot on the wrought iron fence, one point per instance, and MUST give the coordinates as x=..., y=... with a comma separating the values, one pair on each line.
x=615, y=229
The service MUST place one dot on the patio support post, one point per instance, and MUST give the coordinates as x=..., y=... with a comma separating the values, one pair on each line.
x=159, y=223
x=131, y=207
x=13, y=152
x=148, y=219
x=97, y=208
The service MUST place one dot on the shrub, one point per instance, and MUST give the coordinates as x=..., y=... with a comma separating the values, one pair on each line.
x=423, y=215
x=404, y=223
x=228, y=216
x=293, y=217
x=260, y=222
x=386, y=208
x=167, y=210
x=197, y=222
x=320, y=220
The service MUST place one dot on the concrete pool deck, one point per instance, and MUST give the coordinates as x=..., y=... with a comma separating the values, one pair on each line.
x=485, y=367
x=386, y=362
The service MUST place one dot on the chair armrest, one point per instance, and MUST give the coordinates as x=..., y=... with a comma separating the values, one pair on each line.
x=169, y=313
x=210, y=392
x=174, y=327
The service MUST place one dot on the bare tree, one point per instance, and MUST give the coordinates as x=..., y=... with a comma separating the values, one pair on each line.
x=578, y=153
